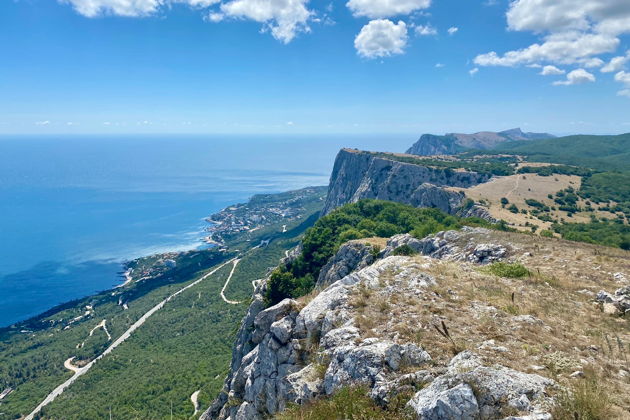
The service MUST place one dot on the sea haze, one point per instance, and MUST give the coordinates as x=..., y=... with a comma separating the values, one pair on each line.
x=73, y=208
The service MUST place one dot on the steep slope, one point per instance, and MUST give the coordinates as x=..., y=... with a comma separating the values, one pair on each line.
x=357, y=175
x=495, y=300
x=453, y=143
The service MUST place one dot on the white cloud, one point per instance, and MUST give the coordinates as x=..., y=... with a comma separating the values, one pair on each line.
x=385, y=8
x=623, y=77
x=603, y=16
x=426, y=30
x=381, y=38
x=566, y=48
x=576, y=77
x=290, y=123
x=590, y=63
x=439, y=65
x=129, y=8
x=616, y=63
x=215, y=17
x=624, y=92
x=42, y=122
x=452, y=30
x=574, y=32
x=551, y=71
x=473, y=71
x=283, y=18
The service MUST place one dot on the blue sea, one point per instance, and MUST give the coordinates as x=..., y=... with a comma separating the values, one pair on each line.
x=74, y=208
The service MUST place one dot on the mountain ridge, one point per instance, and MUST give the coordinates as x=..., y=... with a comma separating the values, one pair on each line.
x=453, y=143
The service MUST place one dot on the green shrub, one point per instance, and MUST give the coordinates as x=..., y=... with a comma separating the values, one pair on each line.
x=546, y=234
x=513, y=208
x=349, y=403
x=503, y=269
x=404, y=250
x=603, y=232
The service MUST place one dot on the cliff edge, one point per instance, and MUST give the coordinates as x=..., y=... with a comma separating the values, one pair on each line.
x=357, y=175
x=479, y=324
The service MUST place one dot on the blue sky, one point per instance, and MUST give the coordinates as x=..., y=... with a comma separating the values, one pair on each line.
x=316, y=67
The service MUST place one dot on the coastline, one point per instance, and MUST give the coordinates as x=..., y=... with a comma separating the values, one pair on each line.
x=128, y=278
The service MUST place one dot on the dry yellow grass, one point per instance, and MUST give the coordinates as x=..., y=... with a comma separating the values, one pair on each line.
x=374, y=241
x=563, y=330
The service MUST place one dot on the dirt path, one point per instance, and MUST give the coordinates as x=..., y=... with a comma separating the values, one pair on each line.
x=81, y=371
x=68, y=365
x=226, y=300
x=194, y=399
x=104, y=327
x=516, y=183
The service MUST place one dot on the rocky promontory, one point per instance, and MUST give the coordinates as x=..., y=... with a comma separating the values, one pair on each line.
x=357, y=175
x=441, y=329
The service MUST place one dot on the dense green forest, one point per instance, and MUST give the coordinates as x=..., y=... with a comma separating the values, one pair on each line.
x=602, y=232
x=603, y=153
x=366, y=218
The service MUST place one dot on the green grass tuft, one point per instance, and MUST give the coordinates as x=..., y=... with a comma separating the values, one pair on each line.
x=509, y=270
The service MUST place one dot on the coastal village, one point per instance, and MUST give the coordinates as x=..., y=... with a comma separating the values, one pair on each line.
x=262, y=210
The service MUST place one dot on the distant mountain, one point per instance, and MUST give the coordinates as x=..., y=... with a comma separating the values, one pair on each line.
x=604, y=153
x=453, y=143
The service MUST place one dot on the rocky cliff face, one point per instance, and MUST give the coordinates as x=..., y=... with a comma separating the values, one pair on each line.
x=357, y=175
x=453, y=143
x=296, y=352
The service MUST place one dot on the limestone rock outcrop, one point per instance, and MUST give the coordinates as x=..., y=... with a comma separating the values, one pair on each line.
x=293, y=352
x=352, y=256
x=451, y=244
x=469, y=390
x=357, y=175
x=618, y=303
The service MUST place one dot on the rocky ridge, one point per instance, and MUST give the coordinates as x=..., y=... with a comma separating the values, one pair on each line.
x=357, y=175
x=297, y=352
x=453, y=143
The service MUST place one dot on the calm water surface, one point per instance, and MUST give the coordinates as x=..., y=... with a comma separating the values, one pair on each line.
x=73, y=208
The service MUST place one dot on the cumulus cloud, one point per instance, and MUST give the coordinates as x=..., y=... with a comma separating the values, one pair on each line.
x=473, y=71
x=576, y=77
x=623, y=77
x=603, y=16
x=129, y=8
x=426, y=30
x=215, y=17
x=551, y=71
x=616, y=63
x=624, y=92
x=42, y=122
x=381, y=38
x=452, y=30
x=570, y=32
x=385, y=8
x=565, y=48
x=283, y=18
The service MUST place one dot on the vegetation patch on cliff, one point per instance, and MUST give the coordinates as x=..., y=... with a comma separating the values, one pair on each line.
x=364, y=219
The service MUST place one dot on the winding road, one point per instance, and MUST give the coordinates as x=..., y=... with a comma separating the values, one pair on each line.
x=78, y=372
x=226, y=300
